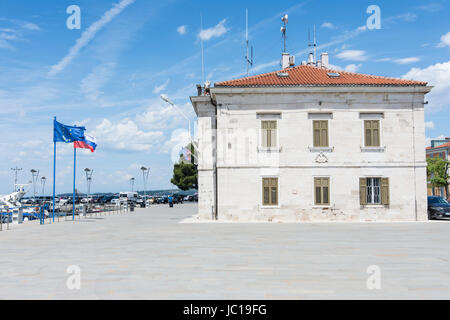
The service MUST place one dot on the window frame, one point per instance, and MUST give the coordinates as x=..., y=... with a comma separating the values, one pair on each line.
x=260, y=137
x=320, y=133
x=323, y=205
x=372, y=193
x=379, y=134
x=270, y=205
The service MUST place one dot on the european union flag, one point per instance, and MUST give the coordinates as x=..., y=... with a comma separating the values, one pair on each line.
x=67, y=134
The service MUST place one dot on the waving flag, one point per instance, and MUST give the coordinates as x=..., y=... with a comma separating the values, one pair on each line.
x=88, y=142
x=67, y=134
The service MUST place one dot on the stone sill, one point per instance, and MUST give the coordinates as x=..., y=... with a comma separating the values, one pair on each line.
x=269, y=207
x=269, y=150
x=321, y=149
x=373, y=149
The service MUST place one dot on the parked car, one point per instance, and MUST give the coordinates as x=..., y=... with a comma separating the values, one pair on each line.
x=438, y=207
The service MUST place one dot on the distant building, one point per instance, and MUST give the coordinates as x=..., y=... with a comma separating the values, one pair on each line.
x=307, y=143
x=438, y=149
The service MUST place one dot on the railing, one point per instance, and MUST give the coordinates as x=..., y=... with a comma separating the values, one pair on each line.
x=44, y=213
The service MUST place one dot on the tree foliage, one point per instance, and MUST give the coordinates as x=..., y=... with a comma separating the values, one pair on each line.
x=437, y=172
x=185, y=176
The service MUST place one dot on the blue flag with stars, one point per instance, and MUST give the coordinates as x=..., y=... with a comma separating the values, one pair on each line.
x=67, y=134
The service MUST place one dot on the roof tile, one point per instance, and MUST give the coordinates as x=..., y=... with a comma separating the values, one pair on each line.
x=315, y=76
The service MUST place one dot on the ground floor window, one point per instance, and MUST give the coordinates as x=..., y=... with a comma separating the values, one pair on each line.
x=374, y=191
x=270, y=191
x=322, y=191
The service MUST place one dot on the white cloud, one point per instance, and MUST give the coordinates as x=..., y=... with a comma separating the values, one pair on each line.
x=407, y=60
x=355, y=55
x=445, y=40
x=429, y=124
x=431, y=7
x=91, y=85
x=125, y=135
x=162, y=87
x=31, y=26
x=328, y=25
x=89, y=34
x=216, y=31
x=437, y=75
x=352, y=67
x=182, y=29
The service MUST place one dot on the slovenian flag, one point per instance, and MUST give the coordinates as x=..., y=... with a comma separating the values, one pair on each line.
x=88, y=142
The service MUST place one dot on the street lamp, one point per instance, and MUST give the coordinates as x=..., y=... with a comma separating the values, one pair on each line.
x=89, y=173
x=166, y=99
x=43, y=179
x=145, y=172
x=132, y=184
x=34, y=176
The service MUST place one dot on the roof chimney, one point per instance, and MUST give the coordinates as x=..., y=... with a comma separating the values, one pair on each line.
x=284, y=60
x=310, y=59
x=324, y=59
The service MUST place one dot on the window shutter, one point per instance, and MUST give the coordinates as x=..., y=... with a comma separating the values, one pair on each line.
x=385, y=191
x=324, y=140
x=273, y=137
x=264, y=137
x=363, y=191
x=376, y=133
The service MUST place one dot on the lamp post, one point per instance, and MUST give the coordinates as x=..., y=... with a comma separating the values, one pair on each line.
x=145, y=172
x=89, y=173
x=34, y=176
x=16, y=170
x=43, y=179
x=132, y=184
x=166, y=99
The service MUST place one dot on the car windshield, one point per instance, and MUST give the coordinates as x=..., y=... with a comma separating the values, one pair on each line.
x=437, y=200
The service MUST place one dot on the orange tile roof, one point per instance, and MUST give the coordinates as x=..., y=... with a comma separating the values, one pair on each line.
x=445, y=145
x=315, y=76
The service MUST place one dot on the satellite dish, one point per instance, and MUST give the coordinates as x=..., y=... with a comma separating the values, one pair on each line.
x=285, y=18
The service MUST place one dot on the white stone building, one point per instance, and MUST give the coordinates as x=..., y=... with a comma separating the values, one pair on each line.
x=308, y=143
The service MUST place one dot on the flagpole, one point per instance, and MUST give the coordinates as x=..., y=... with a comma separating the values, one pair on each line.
x=54, y=169
x=74, y=171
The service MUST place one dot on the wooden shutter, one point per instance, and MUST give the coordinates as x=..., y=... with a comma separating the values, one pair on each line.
x=368, y=133
x=324, y=134
x=273, y=134
x=266, y=192
x=363, y=191
x=316, y=133
x=325, y=191
x=317, y=191
x=376, y=133
x=264, y=133
x=385, y=191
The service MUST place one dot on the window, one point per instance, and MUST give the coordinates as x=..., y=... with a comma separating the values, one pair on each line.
x=322, y=191
x=374, y=191
x=320, y=133
x=269, y=134
x=270, y=191
x=372, y=133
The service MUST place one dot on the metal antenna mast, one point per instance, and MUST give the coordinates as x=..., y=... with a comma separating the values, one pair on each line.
x=248, y=60
x=203, y=57
x=283, y=31
x=314, y=44
x=16, y=170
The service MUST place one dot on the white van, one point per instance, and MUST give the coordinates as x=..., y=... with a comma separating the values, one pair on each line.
x=128, y=197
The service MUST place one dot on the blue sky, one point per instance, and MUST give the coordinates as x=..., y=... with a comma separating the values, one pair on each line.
x=109, y=74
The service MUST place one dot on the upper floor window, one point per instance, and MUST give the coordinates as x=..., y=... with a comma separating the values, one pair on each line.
x=320, y=133
x=269, y=133
x=372, y=133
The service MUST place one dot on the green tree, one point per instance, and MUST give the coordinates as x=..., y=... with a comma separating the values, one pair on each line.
x=185, y=176
x=437, y=173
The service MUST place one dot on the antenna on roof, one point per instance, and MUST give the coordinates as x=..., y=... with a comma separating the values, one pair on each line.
x=248, y=61
x=314, y=44
x=283, y=31
x=203, y=57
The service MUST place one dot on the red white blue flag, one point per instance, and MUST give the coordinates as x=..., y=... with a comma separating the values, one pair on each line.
x=88, y=142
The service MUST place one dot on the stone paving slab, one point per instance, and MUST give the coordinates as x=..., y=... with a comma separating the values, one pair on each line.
x=149, y=254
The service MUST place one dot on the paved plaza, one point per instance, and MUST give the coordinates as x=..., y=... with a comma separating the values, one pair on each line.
x=149, y=254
